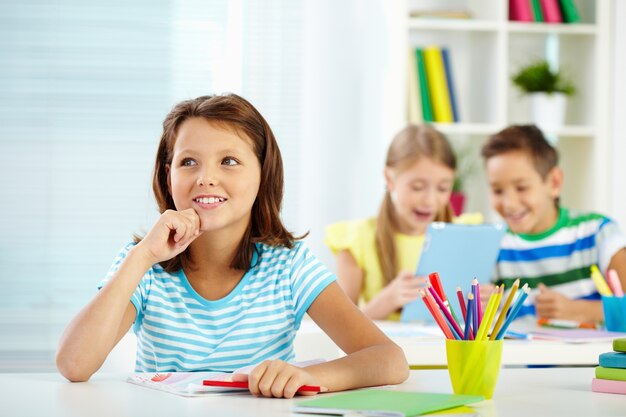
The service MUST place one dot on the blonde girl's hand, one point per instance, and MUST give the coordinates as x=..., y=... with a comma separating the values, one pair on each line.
x=404, y=288
x=171, y=234
x=278, y=379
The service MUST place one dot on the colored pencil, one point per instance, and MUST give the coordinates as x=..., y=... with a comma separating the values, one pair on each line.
x=598, y=279
x=483, y=329
x=479, y=306
x=614, y=283
x=475, y=322
x=453, y=324
x=514, y=311
x=468, y=320
x=459, y=295
x=502, y=315
x=436, y=314
x=494, y=311
x=435, y=281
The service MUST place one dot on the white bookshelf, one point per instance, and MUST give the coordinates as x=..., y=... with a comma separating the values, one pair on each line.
x=486, y=49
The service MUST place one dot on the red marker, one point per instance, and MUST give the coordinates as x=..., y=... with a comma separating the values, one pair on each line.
x=244, y=385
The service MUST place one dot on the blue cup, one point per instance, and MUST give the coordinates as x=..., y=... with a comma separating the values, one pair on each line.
x=614, y=313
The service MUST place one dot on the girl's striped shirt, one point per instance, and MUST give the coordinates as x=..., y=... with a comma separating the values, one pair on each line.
x=179, y=330
x=560, y=257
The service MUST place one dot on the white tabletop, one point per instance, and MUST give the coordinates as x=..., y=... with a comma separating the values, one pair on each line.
x=520, y=392
x=424, y=346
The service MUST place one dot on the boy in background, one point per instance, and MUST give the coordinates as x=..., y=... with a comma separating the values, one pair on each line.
x=548, y=246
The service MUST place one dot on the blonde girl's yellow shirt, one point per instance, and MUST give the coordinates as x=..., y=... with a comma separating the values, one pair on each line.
x=358, y=237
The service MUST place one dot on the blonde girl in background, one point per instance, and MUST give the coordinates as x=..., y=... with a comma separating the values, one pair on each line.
x=376, y=257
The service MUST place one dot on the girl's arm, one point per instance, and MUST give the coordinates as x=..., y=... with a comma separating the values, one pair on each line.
x=98, y=327
x=372, y=358
x=403, y=289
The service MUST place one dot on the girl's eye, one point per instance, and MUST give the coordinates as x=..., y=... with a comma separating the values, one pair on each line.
x=187, y=162
x=230, y=161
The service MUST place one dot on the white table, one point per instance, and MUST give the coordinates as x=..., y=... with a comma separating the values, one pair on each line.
x=520, y=392
x=424, y=346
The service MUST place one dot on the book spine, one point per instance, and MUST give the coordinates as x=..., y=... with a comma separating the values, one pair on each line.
x=569, y=11
x=445, y=54
x=427, y=110
x=551, y=11
x=439, y=96
x=414, y=99
x=537, y=12
x=519, y=11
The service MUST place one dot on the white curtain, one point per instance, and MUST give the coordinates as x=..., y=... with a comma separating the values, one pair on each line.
x=84, y=87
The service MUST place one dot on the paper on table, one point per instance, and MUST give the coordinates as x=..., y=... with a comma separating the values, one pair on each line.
x=189, y=384
x=383, y=403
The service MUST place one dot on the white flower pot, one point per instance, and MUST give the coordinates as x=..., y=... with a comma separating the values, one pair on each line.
x=547, y=111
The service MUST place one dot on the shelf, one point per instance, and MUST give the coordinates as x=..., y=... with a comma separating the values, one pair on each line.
x=471, y=25
x=549, y=28
x=467, y=128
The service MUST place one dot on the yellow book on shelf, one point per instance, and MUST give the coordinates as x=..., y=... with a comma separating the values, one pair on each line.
x=439, y=94
x=414, y=95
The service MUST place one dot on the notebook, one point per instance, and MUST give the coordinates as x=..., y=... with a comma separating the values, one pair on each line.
x=459, y=253
x=383, y=403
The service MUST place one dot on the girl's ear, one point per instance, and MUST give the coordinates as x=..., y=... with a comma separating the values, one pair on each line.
x=169, y=181
x=388, y=174
x=555, y=181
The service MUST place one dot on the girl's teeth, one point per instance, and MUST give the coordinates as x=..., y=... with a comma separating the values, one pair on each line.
x=208, y=200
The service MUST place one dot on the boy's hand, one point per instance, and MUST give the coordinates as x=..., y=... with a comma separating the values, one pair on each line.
x=485, y=292
x=552, y=304
x=170, y=235
x=276, y=378
x=403, y=289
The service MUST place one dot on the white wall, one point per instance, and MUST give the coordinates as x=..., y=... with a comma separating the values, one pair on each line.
x=617, y=186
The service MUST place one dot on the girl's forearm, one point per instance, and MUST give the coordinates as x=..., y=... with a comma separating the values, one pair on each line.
x=375, y=365
x=379, y=307
x=92, y=334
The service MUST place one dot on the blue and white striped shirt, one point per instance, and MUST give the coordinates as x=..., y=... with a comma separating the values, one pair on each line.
x=179, y=330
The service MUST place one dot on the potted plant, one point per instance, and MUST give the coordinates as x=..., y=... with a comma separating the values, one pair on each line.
x=548, y=91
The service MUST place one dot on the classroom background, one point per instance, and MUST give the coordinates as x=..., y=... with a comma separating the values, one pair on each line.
x=85, y=85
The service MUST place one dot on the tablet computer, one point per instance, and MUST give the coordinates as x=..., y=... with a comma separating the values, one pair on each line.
x=459, y=253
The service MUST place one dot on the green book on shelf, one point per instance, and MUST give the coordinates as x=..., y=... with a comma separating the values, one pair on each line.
x=569, y=11
x=376, y=402
x=427, y=109
x=616, y=374
x=537, y=11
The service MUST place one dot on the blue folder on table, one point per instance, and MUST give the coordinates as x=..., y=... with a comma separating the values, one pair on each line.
x=459, y=253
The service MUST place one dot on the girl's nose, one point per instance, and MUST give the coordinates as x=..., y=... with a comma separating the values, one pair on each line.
x=207, y=179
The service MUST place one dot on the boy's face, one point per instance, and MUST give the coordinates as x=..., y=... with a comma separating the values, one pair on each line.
x=520, y=195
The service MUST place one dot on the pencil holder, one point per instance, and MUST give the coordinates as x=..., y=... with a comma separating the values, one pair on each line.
x=614, y=313
x=474, y=366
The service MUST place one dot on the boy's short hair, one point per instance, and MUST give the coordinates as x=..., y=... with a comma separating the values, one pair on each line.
x=525, y=138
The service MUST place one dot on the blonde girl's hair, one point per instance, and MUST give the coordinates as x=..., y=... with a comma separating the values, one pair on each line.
x=232, y=112
x=410, y=145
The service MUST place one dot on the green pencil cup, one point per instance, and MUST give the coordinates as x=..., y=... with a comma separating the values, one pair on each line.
x=614, y=313
x=474, y=366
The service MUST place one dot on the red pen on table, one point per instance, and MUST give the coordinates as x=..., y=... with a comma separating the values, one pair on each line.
x=244, y=385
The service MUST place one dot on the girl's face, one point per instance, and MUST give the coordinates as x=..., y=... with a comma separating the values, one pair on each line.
x=418, y=193
x=215, y=172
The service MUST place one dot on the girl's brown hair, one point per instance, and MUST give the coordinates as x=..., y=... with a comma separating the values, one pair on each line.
x=407, y=147
x=232, y=112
